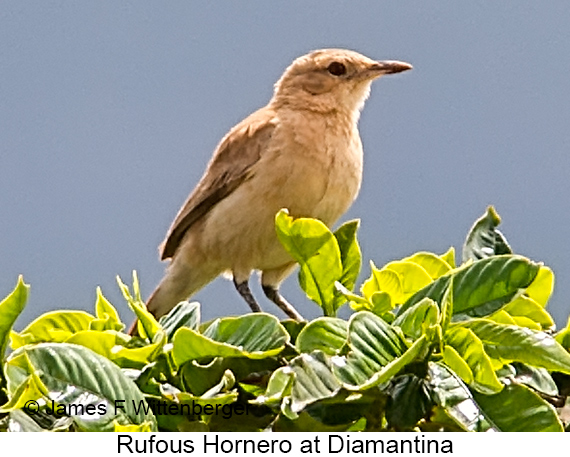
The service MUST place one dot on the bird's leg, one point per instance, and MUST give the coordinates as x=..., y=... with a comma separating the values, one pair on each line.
x=273, y=294
x=245, y=292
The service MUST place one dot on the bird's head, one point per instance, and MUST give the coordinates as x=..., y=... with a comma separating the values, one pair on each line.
x=331, y=80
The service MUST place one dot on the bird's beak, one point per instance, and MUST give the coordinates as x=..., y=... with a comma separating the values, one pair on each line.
x=387, y=67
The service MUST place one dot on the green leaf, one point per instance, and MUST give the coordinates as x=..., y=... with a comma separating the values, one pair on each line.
x=279, y=386
x=344, y=410
x=356, y=301
x=484, y=240
x=526, y=307
x=254, y=333
x=113, y=345
x=488, y=284
x=470, y=348
x=508, y=343
x=370, y=285
x=314, y=380
x=518, y=409
x=334, y=414
x=401, y=279
x=449, y=257
x=381, y=304
x=413, y=276
x=327, y=334
x=350, y=255
x=347, y=370
x=435, y=266
x=542, y=286
x=408, y=401
x=502, y=317
x=378, y=303
x=385, y=281
x=220, y=394
x=455, y=399
x=255, y=336
x=188, y=345
x=369, y=335
x=563, y=336
x=19, y=421
x=515, y=408
x=55, y=326
x=315, y=248
x=377, y=351
x=147, y=324
x=197, y=378
x=184, y=314
x=201, y=407
x=75, y=375
x=481, y=288
x=107, y=316
x=31, y=389
x=453, y=360
x=523, y=321
x=293, y=328
x=10, y=309
x=537, y=378
x=415, y=320
x=447, y=306
x=144, y=427
x=479, y=412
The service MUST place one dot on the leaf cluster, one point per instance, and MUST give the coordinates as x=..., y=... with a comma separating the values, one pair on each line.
x=430, y=345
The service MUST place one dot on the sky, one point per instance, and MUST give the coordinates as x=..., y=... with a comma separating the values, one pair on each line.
x=110, y=110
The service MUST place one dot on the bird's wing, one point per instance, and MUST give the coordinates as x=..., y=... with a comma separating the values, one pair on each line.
x=238, y=151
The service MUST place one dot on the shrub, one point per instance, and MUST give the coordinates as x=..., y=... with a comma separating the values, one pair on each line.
x=430, y=346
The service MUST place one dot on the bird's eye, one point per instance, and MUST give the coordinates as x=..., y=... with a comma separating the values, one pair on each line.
x=336, y=69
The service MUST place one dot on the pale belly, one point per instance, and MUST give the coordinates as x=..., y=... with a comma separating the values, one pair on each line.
x=239, y=232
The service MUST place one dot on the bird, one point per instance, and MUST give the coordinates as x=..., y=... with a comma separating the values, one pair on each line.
x=302, y=152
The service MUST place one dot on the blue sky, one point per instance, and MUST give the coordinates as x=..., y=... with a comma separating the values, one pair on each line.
x=110, y=110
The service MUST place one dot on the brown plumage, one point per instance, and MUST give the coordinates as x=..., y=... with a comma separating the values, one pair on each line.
x=301, y=152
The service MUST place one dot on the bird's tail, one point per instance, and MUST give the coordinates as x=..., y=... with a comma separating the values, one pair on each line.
x=177, y=285
x=161, y=301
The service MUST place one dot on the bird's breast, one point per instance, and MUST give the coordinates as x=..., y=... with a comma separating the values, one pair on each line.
x=324, y=161
x=310, y=170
